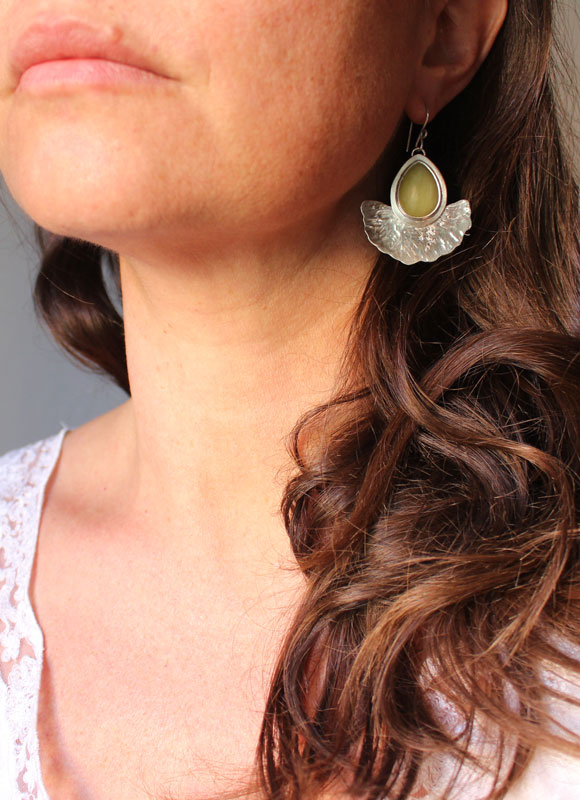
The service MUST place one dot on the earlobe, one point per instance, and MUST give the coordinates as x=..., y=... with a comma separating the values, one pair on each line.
x=464, y=33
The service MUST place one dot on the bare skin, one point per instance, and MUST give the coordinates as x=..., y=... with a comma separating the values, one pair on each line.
x=164, y=580
x=150, y=616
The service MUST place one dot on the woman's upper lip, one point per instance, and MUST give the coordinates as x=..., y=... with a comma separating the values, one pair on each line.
x=69, y=38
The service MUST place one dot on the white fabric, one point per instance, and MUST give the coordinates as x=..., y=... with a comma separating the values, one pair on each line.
x=24, y=474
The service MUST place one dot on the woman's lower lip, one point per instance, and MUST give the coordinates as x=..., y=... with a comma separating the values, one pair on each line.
x=84, y=72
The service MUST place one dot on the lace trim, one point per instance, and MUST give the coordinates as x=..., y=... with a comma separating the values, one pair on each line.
x=24, y=474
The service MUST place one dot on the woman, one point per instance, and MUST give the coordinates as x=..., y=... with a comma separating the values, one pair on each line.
x=405, y=627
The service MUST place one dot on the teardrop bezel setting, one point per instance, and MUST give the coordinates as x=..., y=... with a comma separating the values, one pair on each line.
x=441, y=192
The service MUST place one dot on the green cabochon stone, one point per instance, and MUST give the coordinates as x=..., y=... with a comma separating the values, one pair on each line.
x=418, y=191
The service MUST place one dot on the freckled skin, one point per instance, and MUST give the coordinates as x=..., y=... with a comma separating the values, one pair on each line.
x=260, y=124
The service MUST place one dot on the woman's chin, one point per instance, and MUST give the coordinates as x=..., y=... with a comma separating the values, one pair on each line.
x=66, y=212
x=85, y=205
x=75, y=181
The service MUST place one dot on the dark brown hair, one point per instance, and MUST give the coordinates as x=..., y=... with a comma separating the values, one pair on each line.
x=438, y=523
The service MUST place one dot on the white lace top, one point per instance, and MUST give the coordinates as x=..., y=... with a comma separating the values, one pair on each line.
x=24, y=474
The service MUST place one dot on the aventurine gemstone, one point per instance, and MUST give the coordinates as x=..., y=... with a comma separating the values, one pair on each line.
x=418, y=192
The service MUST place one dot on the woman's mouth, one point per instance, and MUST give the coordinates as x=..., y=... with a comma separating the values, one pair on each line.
x=68, y=52
x=83, y=71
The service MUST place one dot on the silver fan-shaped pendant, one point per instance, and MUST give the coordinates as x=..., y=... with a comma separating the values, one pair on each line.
x=418, y=225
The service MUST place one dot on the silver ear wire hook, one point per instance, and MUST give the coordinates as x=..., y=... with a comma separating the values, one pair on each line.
x=423, y=134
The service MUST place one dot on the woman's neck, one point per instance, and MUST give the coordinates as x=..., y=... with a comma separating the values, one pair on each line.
x=225, y=351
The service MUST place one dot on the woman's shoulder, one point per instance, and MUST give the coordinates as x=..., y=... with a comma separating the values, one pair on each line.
x=550, y=772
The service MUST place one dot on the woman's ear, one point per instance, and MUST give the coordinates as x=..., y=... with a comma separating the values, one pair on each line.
x=462, y=34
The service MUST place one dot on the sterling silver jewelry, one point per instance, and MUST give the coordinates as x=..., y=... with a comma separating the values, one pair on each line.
x=418, y=225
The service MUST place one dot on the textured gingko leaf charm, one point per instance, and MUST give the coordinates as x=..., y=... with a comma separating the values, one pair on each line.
x=418, y=225
x=408, y=243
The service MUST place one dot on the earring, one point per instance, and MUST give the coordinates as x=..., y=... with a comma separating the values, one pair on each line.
x=418, y=225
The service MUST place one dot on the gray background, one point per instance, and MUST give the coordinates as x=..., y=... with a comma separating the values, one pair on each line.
x=40, y=387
